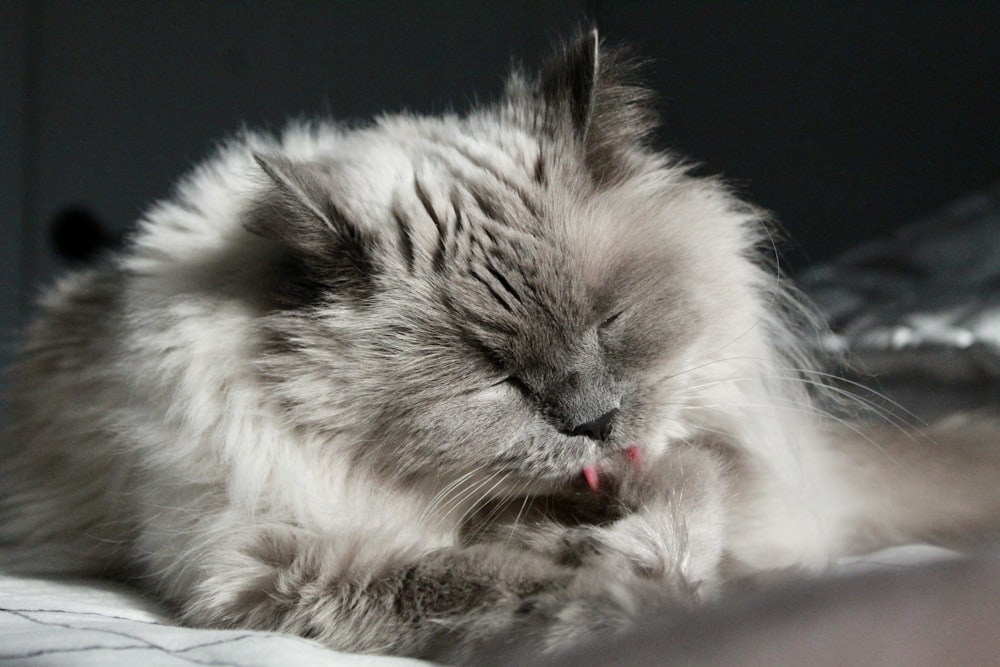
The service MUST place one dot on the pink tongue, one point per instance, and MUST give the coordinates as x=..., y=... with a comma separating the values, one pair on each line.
x=633, y=455
x=593, y=479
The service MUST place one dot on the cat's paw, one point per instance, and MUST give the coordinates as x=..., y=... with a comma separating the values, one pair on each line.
x=560, y=614
x=599, y=602
x=666, y=525
x=674, y=534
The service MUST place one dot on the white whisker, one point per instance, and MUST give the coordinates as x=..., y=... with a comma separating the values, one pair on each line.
x=801, y=408
x=513, y=528
x=484, y=496
x=467, y=493
x=447, y=490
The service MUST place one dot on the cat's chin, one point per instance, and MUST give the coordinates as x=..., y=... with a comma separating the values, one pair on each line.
x=594, y=474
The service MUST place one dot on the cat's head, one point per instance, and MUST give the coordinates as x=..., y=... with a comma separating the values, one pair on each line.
x=511, y=295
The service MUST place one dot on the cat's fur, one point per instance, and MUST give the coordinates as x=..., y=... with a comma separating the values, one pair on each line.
x=344, y=383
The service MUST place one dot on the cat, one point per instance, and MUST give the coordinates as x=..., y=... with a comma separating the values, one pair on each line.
x=434, y=383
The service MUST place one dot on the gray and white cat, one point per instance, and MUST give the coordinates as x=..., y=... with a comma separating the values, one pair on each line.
x=440, y=382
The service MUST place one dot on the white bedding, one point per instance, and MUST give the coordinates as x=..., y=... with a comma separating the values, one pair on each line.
x=78, y=622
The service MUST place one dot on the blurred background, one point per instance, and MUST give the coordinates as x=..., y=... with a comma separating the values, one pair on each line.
x=846, y=119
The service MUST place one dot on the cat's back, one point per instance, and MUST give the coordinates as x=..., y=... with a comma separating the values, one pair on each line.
x=165, y=324
x=56, y=459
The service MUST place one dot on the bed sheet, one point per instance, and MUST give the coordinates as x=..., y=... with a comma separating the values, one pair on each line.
x=76, y=622
x=79, y=623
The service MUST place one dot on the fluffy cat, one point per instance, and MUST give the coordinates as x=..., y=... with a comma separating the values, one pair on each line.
x=439, y=382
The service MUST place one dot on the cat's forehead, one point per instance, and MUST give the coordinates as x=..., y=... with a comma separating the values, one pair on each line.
x=517, y=241
x=381, y=168
x=483, y=197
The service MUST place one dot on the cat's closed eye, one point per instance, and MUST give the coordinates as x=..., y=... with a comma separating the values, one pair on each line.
x=514, y=382
x=610, y=320
x=607, y=330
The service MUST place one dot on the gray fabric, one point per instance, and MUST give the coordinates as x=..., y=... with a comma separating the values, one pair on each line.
x=944, y=614
x=923, y=302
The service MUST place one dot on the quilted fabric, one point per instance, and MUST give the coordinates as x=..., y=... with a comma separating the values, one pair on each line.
x=926, y=301
x=81, y=623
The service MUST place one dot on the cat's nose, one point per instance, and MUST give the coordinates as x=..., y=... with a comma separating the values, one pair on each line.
x=597, y=429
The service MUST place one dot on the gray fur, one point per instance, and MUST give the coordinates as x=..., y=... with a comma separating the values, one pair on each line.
x=346, y=382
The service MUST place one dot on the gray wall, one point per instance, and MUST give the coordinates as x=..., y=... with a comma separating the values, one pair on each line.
x=12, y=167
x=847, y=119
x=106, y=104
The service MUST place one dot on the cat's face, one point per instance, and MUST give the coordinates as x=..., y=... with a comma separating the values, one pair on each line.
x=511, y=296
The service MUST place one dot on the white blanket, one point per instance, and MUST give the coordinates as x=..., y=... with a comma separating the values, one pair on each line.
x=79, y=623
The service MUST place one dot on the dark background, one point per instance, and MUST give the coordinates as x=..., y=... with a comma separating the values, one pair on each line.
x=846, y=119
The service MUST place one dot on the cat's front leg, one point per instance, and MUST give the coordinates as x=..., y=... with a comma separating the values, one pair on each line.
x=448, y=604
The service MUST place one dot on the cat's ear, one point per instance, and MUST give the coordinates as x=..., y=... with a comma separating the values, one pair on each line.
x=592, y=89
x=567, y=83
x=299, y=210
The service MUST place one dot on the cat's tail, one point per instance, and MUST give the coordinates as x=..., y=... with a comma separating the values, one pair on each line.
x=882, y=485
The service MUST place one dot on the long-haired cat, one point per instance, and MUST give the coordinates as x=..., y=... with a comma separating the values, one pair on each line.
x=437, y=382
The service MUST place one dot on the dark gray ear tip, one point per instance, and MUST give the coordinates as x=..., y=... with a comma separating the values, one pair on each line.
x=266, y=162
x=595, y=47
x=585, y=41
x=280, y=170
x=587, y=49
